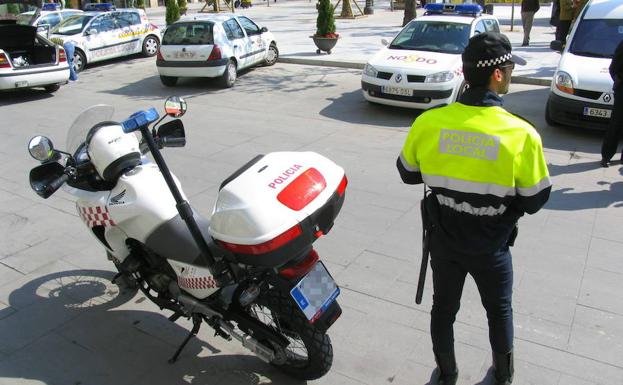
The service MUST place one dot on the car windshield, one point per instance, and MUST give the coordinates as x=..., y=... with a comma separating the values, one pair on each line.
x=435, y=36
x=79, y=130
x=72, y=25
x=597, y=38
x=188, y=34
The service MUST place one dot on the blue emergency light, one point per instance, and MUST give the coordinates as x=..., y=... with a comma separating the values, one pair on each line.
x=100, y=7
x=50, y=7
x=453, y=9
x=139, y=119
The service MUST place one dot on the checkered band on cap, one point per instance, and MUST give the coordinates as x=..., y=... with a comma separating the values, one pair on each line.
x=494, y=62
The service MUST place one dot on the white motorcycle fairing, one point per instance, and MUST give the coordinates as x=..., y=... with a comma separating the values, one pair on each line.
x=141, y=207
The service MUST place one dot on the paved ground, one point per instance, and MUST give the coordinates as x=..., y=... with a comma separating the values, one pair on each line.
x=293, y=22
x=62, y=323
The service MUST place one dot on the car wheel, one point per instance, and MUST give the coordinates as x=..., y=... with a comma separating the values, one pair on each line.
x=150, y=46
x=548, y=116
x=229, y=76
x=272, y=55
x=80, y=61
x=168, y=81
x=52, y=88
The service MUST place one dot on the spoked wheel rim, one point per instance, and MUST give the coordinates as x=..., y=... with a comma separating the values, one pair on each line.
x=231, y=73
x=296, y=352
x=272, y=55
x=78, y=63
x=151, y=46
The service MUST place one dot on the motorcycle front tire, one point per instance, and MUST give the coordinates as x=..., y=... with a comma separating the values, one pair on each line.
x=278, y=311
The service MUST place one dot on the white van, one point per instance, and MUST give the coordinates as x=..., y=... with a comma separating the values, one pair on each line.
x=581, y=93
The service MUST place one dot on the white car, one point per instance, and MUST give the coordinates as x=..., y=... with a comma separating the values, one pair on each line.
x=27, y=59
x=105, y=35
x=581, y=93
x=214, y=46
x=422, y=67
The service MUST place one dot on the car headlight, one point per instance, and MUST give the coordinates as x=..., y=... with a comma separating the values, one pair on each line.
x=564, y=82
x=439, y=77
x=370, y=71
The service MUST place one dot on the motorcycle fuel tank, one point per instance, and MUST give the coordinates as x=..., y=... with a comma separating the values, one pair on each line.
x=277, y=205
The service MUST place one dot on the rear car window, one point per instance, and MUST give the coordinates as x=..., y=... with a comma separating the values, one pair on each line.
x=189, y=34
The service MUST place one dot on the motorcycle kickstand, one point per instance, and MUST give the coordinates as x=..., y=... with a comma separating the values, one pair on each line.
x=193, y=332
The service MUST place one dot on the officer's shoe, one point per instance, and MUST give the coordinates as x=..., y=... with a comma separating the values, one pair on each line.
x=446, y=364
x=503, y=368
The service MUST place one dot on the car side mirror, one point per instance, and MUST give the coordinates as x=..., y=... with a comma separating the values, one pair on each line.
x=91, y=31
x=43, y=29
x=264, y=29
x=555, y=45
x=384, y=42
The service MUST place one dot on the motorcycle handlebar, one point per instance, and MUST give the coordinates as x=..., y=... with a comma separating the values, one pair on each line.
x=173, y=142
x=56, y=184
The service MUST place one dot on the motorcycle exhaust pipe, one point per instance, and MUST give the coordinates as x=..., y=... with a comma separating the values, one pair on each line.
x=263, y=352
x=190, y=304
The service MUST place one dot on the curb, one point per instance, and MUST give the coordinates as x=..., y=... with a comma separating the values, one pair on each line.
x=360, y=65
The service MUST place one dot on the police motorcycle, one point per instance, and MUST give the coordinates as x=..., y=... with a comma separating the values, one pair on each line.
x=250, y=272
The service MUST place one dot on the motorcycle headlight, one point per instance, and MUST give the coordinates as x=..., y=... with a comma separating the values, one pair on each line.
x=564, y=82
x=439, y=77
x=370, y=71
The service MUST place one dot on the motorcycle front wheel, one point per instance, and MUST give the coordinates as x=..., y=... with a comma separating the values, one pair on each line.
x=309, y=354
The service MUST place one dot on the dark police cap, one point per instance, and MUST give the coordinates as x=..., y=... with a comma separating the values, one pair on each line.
x=489, y=49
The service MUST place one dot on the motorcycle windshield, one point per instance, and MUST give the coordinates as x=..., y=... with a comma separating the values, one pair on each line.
x=79, y=130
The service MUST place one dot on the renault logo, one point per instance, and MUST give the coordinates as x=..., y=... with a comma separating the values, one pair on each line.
x=398, y=78
x=607, y=98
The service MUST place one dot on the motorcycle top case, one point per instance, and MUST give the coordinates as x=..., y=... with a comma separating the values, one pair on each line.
x=275, y=206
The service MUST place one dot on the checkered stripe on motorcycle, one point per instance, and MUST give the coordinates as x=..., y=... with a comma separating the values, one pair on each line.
x=197, y=282
x=95, y=216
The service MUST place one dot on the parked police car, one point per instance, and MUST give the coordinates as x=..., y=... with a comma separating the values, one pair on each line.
x=109, y=34
x=214, y=46
x=581, y=93
x=422, y=67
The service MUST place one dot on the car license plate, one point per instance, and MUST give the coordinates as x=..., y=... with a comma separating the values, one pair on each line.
x=315, y=292
x=21, y=84
x=397, y=91
x=185, y=55
x=597, y=112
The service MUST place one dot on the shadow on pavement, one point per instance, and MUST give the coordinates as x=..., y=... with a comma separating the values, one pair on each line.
x=21, y=96
x=568, y=200
x=351, y=107
x=86, y=339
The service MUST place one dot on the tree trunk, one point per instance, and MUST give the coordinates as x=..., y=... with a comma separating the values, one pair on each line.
x=347, y=9
x=409, y=12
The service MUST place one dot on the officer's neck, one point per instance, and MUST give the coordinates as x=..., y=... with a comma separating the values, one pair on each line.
x=481, y=97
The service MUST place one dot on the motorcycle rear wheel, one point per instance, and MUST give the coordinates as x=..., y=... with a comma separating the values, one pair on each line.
x=309, y=355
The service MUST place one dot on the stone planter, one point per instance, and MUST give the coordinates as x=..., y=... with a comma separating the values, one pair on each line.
x=324, y=44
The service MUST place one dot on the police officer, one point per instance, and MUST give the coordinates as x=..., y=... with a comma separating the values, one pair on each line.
x=485, y=169
x=613, y=134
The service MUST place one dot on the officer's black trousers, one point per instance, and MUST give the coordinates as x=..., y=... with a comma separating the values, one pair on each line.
x=613, y=135
x=493, y=275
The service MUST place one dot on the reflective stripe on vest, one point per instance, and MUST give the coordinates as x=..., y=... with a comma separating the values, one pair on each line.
x=465, y=207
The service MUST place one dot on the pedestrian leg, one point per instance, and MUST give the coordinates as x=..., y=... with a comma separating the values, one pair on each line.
x=613, y=134
x=494, y=278
x=448, y=280
x=529, y=19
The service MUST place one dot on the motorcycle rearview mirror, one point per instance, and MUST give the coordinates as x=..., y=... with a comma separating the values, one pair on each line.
x=175, y=106
x=41, y=148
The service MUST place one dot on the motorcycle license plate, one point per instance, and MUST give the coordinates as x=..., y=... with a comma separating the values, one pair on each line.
x=598, y=112
x=315, y=292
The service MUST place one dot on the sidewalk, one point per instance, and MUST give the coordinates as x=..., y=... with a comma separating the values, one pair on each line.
x=294, y=21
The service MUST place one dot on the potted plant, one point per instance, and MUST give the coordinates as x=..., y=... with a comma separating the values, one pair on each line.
x=325, y=37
